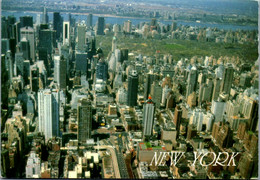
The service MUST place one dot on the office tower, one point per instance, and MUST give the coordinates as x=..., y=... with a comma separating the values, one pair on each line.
x=38, y=19
x=47, y=40
x=100, y=26
x=26, y=71
x=5, y=45
x=217, y=109
x=26, y=21
x=227, y=79
x=128, y=26
x=25, y=48
x=81, y=37
x=45, y=18
x=48, y=112
x=57, y=24
x=124, y=55
x=192, y=81
x=148, y=118
x=66, y=32
x=89, y=20
x=57, y=69
x=102, y=70
x=4, y=27
x=17, y=31
x=9, y=65
x=132, y=89
x=33, y=166
x=63, y=73
x=84, y=118
x=19, y=64
x=177, y=118
x=5, y=83
x=34, y=78
x=150, y=78
x=29, y=34
x=81, y=62
x=216, y=89
x=156, y=93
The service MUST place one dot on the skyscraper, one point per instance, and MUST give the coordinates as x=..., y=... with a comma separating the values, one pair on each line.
x=29, y=34
x=102, y=70
x=100, y=26
x=84, y=117
x=156, y=93
x=81, y=38
x=132, y=89
x=48, y=112
x=150, y=78
x=66, y=32
x=45, y=18
x=63, y=73
x=216, y=89
x=81, y=62
x=25, y=48
x=89, y=20
x=177, y=118
x=57, y=24
x=5, y=45
x=227, y=79
x=192, y=81
x=128, y=26
x=57, y=69
x=217, y=109
x=148, y=118
x=26, y=21
x=19, y=63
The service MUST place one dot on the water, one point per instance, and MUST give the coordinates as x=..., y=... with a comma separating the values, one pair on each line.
x=135, y=21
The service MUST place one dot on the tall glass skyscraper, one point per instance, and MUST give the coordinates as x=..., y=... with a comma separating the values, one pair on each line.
x=132, y=89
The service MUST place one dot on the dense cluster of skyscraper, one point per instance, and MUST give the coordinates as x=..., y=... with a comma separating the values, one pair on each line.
x=67, y=110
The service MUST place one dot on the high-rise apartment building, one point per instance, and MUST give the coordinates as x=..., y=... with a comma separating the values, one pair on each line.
x=48, y=112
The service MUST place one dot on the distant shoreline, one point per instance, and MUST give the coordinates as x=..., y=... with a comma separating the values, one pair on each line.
x=254, y=27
